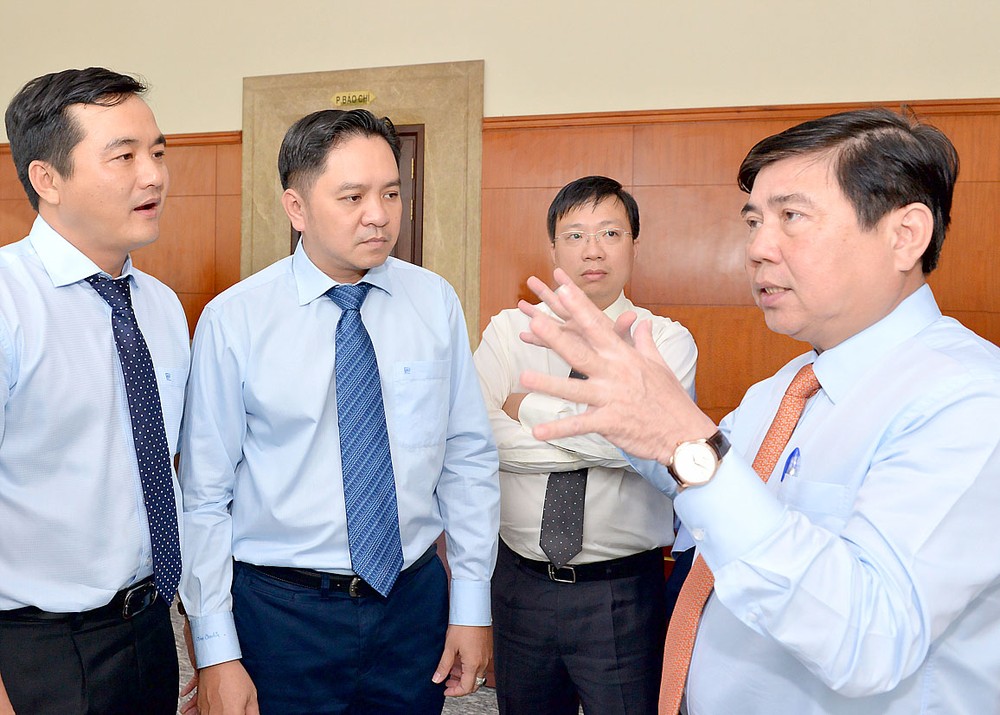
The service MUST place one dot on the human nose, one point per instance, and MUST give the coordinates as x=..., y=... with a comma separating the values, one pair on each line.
x=153, y=172
x=762, y=245
x=376, y=212
x=594, y=247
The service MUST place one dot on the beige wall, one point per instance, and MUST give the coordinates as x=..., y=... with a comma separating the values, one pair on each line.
x=549, y=57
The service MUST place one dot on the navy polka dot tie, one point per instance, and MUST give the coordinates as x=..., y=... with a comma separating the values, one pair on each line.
x=148, y=434
x=369, y=486
x=561, y=533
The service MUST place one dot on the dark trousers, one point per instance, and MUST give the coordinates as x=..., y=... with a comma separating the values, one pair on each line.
x=599, y=643
x=312, y=652
x=85, y=666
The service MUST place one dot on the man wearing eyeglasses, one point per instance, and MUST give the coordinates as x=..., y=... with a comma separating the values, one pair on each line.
x=579, y=605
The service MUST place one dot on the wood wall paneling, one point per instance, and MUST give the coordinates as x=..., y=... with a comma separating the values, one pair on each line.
x=552, y=157
x=690, y=246
x=16, y=213
x=16, y=216
x=228, y=215
x=515, y=245
x=968, y=274
x=184, y=255
x=10, y=187
x=680, y=154
x=977, y=139
x=192, y=170
x=229, y=169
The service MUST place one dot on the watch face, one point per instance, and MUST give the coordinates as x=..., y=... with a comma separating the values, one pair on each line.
x=695, y=463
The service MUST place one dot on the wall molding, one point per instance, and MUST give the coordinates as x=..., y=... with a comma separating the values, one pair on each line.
x=923, y=107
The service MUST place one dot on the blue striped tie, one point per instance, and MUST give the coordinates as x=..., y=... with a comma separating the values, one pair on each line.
x=369, y=487
x=148, y=434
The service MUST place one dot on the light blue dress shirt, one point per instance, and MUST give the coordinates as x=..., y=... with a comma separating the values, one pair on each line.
x=867, y=582
x=73, y=527
x=260, y=465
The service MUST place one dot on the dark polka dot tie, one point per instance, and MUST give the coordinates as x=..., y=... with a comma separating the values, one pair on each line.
x=369, y=486
x=148, y=433
x=561, y=534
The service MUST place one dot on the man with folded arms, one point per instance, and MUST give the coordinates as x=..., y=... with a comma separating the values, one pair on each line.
x=579, y=601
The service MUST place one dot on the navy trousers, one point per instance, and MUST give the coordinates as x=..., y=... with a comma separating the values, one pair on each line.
x=312, y=652
x=596, y=643
x=86, y=666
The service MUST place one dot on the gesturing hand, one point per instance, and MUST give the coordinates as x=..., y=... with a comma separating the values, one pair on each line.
x=635, y=400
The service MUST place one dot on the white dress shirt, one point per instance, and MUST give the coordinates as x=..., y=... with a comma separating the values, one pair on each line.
x=864, y=577
x=623, y=513
x=73, y=527
x=261, y=445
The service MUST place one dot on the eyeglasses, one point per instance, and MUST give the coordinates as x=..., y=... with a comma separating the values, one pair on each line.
x=607, y=236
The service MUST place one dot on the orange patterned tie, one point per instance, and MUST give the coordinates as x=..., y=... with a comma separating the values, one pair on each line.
x=699, y=583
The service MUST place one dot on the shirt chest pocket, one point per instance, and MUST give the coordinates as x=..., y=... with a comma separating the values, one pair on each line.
x=421, y=400
x=825, y=504
x=171, y=383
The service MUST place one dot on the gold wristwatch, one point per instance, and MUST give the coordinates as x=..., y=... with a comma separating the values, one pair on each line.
x=694, y=463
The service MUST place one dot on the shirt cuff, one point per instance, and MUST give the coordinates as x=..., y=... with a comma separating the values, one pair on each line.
x=470, y=603
x=654, y=473
x=731, y=515
x=682, y=541
x=536, y=409
x=215, y=639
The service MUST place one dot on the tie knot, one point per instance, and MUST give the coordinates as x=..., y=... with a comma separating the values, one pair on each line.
x=804, y=384
x=115, y=292
x=349, y=297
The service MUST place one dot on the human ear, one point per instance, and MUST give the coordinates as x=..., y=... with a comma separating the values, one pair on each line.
x=45, y=180
x=294, y=206
x=913, y=228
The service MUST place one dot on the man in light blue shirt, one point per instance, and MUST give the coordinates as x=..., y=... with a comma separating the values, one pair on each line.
x=862, y=577
x=82, y=626
x=295, y=627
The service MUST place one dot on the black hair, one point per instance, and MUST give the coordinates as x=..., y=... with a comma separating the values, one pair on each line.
x=307, y=143
x=592, y=190
x=39, y=127
x=882, y=161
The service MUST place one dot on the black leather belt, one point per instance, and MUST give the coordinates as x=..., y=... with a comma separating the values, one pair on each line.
x=127, y=603
x=597, y=571
x=354, y=586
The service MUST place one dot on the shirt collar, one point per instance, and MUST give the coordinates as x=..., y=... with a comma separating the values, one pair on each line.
x=65, y=263
x=312, y=283
x=841, y=367
x=621, y=305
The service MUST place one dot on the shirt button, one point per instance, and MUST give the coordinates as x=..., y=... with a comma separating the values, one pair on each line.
x=698, y=534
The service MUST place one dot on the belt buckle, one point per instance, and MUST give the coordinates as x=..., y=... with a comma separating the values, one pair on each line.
x=138, y=599
x=554, y=574
x=354, y=588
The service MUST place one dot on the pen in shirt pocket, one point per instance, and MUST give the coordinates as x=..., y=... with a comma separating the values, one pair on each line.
x=791, y=465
